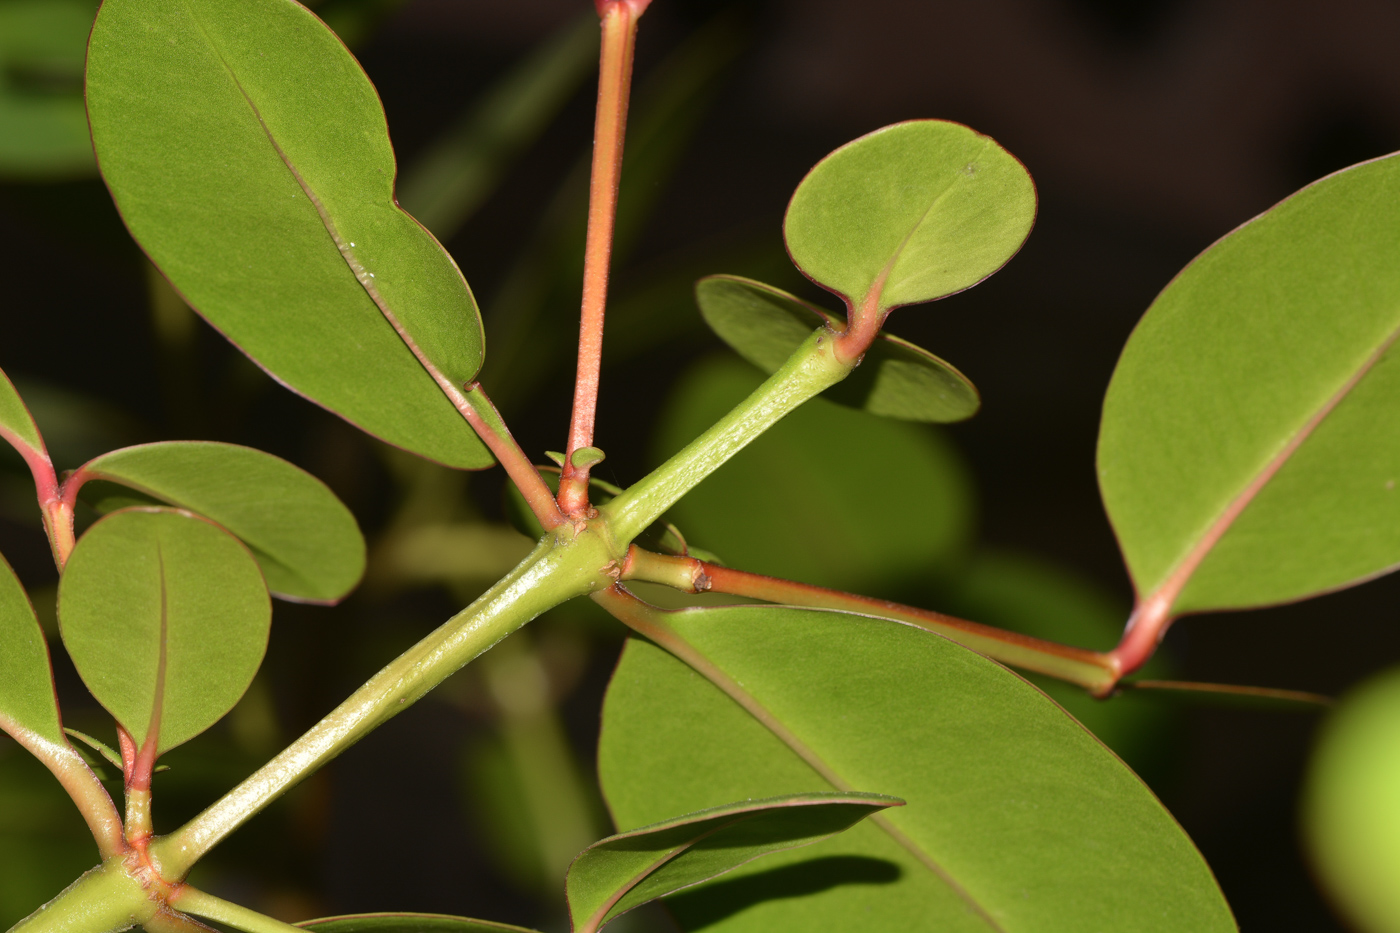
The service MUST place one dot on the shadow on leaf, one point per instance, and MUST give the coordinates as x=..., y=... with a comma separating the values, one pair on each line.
x=720, y=900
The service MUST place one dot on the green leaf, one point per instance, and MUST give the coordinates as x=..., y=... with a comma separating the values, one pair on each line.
x=27, y=700
x=406, y=923
x=43, y=125
x=248, y=154
x=827, y=496
x=1250, y=446
x=765, y=325
x=166, y=618
x=616, y=874
x=1017, y=819
x=909, y=213
x=108, y=753
x=1351, y=808
x=306, y=541
x=16, y=423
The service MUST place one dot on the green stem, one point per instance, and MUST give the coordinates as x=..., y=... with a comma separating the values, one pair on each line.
x=812, y=368
x=193, y=901
x=561, y=567
x=104, y=900
x=78, y=780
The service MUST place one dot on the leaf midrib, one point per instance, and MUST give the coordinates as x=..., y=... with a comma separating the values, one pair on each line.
x=674, y=642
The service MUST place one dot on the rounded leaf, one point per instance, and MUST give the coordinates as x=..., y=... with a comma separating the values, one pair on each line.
x=306, y=541
x=1016, y=818
x=1352, y=805
x=895, y=378
x=1249, y=452
x=909, y=213
x=166, y=617
x=254, y=168
x=27, y=700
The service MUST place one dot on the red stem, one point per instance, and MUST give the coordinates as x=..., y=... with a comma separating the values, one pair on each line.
x=489, y=426
x=619, y=23
x=1089, y=669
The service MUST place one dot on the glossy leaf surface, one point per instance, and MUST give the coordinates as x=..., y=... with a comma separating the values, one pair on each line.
x=407, y=923
x=1351, y=807
x=1252, y=427
x=166, y=618
x=305, y=539
x=16, y=423
x=828, y=495
x=43, y=126
x=254, y=167
x=27, y=699
x=914, y=211
x=616, y=874
x=1017, y=819
x=896, y=379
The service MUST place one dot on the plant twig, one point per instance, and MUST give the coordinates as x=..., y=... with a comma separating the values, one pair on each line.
x=619, y=26
x=55, y=508
x=492, y=430
x=93, y=801
x=1091, y=670
x=201, y=904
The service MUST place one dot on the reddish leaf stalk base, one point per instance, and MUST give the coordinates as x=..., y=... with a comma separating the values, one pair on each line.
x=619, y=25
x=1089, y=669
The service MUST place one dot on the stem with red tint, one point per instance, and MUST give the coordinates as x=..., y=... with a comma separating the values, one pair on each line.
x=57, y=511
x=1091, y=670
x=489, y=426
x=619, y=24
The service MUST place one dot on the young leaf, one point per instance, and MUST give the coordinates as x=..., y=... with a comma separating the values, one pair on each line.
x=1351, y=811
x=27, y=700
x=406, y=923
x=306, y=541
x=1250, y=446
x=166, y=618
x=43, y=129
x=896, y=379
x=254, y=167
x=108, y=753
x=827, y=496
x=1017, y=819
x=16, y=423
x=909, y=213
x=616, y=874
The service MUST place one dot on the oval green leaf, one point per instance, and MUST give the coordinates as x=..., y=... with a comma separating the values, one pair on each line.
x=909, y=213
x=17, y=425
x=306, y=541
x=1017, y=819
x=43, y=126
x=406, y=923
x=27, y=699
x=253, y=165
x=827, y=496
x=895, y=379
x=166, y=617
x=1250, y=447
x=1351, y=808
x=616, y=874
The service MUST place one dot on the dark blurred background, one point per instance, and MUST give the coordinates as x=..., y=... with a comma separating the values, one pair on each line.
x=1151, y=128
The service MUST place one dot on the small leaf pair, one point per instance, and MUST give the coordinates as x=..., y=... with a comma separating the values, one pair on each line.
x=910, y=213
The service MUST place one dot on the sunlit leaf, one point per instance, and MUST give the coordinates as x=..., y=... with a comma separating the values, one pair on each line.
x=896, y=379
x=616, y=874
x=1352, y=805
x=166, y=618
x=305, y=539
x=254, y=167
x=27, y=700
x=828, y=495
x=1017, y=819
x=1250, y=446
x=406, y=923
x=43, y=126
x=909, y=213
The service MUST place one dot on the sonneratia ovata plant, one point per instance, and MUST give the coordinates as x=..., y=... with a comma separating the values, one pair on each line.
x=887, y=753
